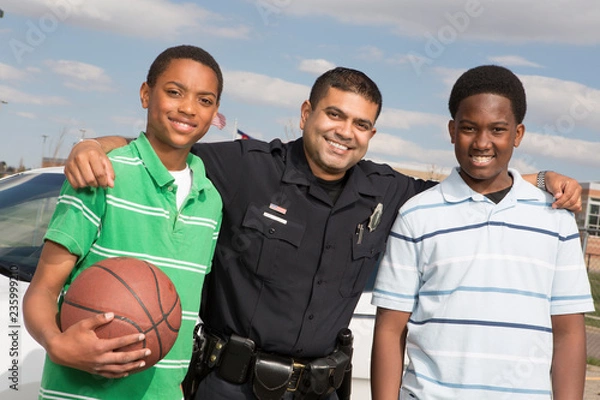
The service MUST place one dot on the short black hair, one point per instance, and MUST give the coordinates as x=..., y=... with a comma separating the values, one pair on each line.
x=347, y=80
x=160, y=64
x=490, y=79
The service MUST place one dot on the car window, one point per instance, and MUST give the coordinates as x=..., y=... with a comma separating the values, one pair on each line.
x=27, y=202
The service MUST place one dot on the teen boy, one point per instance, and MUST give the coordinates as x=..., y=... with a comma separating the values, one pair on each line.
x=483, y=282
x=161, y=200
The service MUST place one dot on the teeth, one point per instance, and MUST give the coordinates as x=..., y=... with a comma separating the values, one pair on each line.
x=337, y=145
x=482, y=158
x=181, y=123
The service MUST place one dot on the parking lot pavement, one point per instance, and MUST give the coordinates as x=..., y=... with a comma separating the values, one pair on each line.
x=592, y=383
x=592, y=379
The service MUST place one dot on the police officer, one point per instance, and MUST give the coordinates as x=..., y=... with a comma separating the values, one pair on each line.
x=304, y=224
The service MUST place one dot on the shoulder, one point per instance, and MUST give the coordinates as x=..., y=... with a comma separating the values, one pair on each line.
x=425, y=199
x=123, y=158
x=243, y=145
x=376, y=170
x=238, y=148
x=400, y=185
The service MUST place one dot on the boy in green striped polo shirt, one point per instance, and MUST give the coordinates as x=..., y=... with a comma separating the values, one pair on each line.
x=162, y=199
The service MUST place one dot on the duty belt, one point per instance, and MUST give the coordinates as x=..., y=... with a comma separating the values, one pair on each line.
x=237, y=361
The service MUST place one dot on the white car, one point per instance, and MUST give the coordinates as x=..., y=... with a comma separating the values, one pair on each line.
x=27, y=202
x=362, y=324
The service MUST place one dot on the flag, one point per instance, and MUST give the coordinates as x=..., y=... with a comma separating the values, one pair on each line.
x=219, y=121
x=242, y=135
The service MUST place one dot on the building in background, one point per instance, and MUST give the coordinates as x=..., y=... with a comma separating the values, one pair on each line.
x=588, y=221
x=53, y=162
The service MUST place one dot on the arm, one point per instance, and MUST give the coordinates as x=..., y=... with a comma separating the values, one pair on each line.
x=88, y=164
x=78, y=347
x=566, y=191
x=569, y=358
x=389, y=343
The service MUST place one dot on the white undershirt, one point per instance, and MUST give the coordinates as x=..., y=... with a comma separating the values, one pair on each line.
x=183, y=180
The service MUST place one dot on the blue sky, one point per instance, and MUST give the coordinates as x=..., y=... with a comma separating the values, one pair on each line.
x=73, y=68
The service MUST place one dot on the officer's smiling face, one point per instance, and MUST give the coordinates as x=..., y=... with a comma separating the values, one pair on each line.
x=336, y=132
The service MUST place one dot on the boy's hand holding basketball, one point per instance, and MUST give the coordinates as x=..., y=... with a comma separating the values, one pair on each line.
x=79, y=347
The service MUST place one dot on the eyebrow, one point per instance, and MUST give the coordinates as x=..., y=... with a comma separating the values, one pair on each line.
x=468, y=121
x=182, y=86
x=355, y=120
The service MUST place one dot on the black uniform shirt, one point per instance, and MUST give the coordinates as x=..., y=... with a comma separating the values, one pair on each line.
x=289, y=266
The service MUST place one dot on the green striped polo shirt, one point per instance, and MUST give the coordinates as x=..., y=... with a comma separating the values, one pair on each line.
x=139, y=218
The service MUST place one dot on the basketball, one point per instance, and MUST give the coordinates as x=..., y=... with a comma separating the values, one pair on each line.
x=141, y=296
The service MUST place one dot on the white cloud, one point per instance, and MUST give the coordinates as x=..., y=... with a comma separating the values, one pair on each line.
x=256, y=88
x=27, y=115
x=576, y=151
x=513, y=61
x=561, y=107
x=13, y=95
x=316, y=66
x=81, y=76
x=10, y=73
x=133, y=125
x=390, y=145
x=508, y=21
x=152, y=19
x=402, y=119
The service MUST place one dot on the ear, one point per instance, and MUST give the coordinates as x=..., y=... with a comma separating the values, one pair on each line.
x=519, y=135
x=145, y=95
x=451, y=126
x=305, y=111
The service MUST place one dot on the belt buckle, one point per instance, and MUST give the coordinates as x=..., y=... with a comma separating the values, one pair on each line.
x=296, y=377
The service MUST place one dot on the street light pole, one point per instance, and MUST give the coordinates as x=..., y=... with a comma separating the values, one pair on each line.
x=44, y=137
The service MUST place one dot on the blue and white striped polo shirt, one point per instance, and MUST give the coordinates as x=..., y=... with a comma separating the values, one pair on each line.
x=482, y=281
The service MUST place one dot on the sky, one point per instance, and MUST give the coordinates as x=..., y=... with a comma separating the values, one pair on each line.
x=71, y=69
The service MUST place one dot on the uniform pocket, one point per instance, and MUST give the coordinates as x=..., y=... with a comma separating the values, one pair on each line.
x=271, y=235
x=364, y=258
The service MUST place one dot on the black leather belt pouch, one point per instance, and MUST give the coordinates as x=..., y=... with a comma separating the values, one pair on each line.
x=271, y=376
x=236, y=359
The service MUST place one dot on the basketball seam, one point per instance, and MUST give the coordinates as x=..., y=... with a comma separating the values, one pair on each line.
x=120, y=317
x=153, y=325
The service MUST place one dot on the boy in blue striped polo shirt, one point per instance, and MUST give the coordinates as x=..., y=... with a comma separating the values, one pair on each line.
x=483, y=282
x=161, y=199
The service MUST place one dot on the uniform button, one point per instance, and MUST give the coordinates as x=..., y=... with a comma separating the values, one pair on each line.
x=320, y=282
x=328, y=246
x=311, y=317
x=170, y=188
x=299, y=351
x=271, y=230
